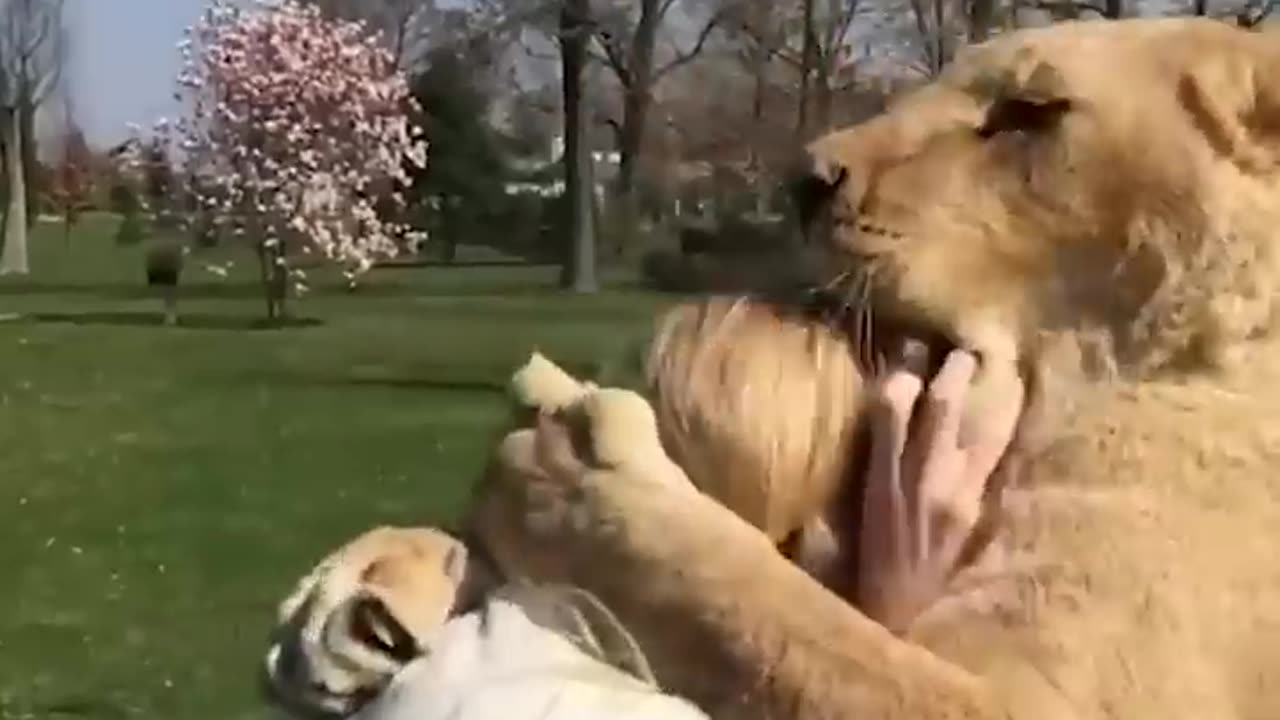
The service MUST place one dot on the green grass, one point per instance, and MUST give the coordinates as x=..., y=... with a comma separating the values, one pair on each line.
x=161, y=488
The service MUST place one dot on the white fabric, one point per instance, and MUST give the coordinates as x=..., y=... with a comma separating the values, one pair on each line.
x=497, y=663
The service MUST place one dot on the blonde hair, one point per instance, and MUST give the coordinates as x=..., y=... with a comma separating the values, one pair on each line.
x=759, y=404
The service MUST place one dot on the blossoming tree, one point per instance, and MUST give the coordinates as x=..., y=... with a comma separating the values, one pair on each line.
x=297, y=134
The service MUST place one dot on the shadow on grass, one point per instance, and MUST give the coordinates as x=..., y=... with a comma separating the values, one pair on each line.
x=445, y=285
x=493, y=387
x=190, y=321
x=496, y=385
x=492, y=380
x=82, y=708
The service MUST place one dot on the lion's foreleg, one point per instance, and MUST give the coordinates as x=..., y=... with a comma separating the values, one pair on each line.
x=724, y=618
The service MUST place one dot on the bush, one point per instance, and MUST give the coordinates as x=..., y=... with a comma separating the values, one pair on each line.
x=668, y=271
x=735, y=236
x=780, y=270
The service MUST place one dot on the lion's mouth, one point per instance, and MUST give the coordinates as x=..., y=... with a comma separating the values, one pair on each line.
x=882, y=334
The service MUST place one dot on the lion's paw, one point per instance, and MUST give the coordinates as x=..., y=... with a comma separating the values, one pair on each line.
x=617, y=428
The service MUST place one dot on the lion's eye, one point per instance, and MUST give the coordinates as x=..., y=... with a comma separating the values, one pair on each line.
x=1021, y=115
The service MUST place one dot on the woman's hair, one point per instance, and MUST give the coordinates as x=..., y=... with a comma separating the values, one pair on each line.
x=759, y=403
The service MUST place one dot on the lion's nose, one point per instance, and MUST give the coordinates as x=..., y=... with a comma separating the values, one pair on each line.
x=813, y=180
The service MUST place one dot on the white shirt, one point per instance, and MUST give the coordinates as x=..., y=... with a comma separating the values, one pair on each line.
x=498, y=663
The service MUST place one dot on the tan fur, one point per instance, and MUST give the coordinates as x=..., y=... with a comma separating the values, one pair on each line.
x=361, y=614
x=1133, y=575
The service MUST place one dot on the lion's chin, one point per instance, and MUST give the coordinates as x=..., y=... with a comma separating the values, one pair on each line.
x=1003, y=371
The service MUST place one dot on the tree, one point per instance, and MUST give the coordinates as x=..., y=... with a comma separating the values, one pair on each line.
x=464, y=178
x=30, y=64
x=71, y=180
x=938, y=32
x=814, y=42
x=299, y=126
x=630, y=47
x=579, y=268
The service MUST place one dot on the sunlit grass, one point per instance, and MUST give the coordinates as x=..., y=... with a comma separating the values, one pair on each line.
x=160, y=488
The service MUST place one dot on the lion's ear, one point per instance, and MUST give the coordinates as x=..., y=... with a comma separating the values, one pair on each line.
x=1233, y=97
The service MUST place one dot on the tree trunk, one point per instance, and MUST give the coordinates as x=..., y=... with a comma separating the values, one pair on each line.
x=451, y=231
x=579, y=268
x=637, y=98
x=273, y=272
x=169, y=296
x=30, y=163
x=981, y=18
x=760, y=67
x=807, y=56
x=1113, y=9
x=13, y=259
x=275, y=282
x=264, y=274
x=1200, y=8
x=822, y=93
x=942, y=54
x=635, y=115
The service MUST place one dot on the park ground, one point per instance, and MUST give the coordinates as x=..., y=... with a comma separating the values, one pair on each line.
x=161, y=488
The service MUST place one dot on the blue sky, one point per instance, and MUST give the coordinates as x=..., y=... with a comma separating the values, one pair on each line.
x=124, y=60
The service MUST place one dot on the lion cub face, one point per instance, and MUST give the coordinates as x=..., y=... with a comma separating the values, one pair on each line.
x=360, y=615
x=1115, y=178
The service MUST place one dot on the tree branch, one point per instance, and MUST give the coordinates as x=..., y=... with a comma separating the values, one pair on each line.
x=1052, y=6
x=787, y=56
x=683, y=58
x=615, y=56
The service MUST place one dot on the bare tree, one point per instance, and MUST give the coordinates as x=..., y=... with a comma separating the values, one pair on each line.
x=628, y=35
x=817, y=52
x=31, y=42
x=937, y=28
x=70, y=180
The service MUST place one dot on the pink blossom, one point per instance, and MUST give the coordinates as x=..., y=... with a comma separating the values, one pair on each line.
x=294, y=115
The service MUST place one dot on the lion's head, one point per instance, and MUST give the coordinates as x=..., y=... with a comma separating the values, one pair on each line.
x=1116, y=180
x=1108, y=187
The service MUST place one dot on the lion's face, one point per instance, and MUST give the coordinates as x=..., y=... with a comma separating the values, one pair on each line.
x=1110, y=178
x=364, y=612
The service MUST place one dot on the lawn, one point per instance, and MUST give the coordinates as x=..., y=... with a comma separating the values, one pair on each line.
x=161, y=488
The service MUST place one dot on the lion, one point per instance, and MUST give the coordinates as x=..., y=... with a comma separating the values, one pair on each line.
x=1091, y=207
x=405, y=623
x=361, y=614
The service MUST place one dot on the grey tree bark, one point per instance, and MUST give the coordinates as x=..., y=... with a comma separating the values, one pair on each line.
x=31, y=47
x=579, y=268
x=13, y=258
